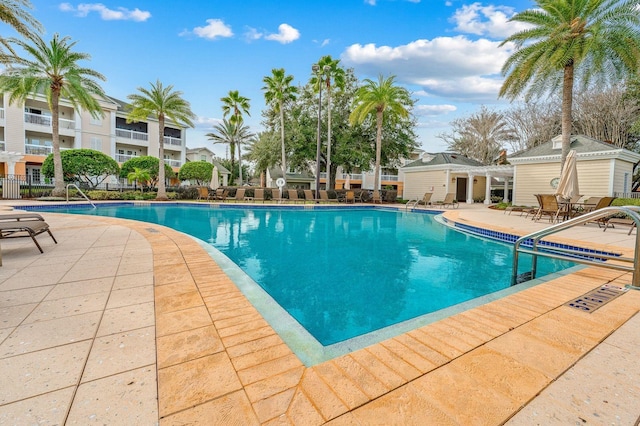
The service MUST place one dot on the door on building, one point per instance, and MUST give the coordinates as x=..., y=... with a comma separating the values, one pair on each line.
x=461, y=189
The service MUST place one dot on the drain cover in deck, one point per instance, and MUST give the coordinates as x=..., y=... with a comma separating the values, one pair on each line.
x=596, y=298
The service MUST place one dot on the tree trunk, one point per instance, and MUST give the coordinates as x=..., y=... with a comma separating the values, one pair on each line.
x=239, y=165
x=284, y=153
x=376, y=181
x=162, y=194
x=330, y=183
x=58, y=172
x=567, y=105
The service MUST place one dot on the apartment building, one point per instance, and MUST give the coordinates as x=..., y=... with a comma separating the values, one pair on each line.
x=26, y=133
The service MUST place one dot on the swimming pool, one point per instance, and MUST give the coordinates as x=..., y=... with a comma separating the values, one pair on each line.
x=343, y=273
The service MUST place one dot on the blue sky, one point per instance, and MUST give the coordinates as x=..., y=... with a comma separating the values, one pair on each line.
x=444, y=51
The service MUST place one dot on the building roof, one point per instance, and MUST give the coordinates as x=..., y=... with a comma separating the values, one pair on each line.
x=580, y=143
x=441, y=159
x=276, y=172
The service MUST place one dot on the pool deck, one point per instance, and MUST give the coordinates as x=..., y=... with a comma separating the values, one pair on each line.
x=125, y=322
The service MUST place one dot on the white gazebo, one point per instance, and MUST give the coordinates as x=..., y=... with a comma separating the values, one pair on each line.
x=10, y=186
x=502, y=171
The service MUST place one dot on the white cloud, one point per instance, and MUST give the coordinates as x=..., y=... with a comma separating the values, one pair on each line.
x=490, y=21
x=434, y=110
x=206, y=123
x=252, y=34
x=370, y=2
x=456, y=67
x=215, y=28
x=286, y=34
x=119, y=14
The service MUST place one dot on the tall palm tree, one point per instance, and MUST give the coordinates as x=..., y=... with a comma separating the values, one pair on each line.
x=231, y=134
x=588, y=40
x=52, y=69
x=163, y=103
x=377, y=98
x=277, y=92
x=15, y=14
x=235, y=105
x=330, y=71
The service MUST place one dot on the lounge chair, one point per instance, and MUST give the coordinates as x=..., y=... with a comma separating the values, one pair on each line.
x=611, y=222
x=258, y=195
x=221, y=194
x=308, y=196
x=425, y=201
x=449, y=200
x=293, y=195
x=239, y=195
x=16, y=225
x=324, y=197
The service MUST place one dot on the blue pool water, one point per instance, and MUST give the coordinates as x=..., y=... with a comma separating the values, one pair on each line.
x=343, y=273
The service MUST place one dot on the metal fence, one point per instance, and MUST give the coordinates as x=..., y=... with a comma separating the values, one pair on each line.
x=23, y=186
x=626, y=194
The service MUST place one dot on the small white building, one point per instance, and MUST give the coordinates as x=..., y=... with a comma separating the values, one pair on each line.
x=603, y=169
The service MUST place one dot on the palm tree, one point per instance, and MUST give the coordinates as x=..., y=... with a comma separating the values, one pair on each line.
x=379, y=97
x=232, y=134
x=236, y=105
x=163, y=103
x=277, y=92
x=142, y=176
x=330, y=70
x=52, y=69
x=14, y=13
x=588, y=40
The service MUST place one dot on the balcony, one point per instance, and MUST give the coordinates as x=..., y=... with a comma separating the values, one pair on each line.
x=121, y=158
x=2, y=146
x=2, y=115
x=33, y=149
x=45, y=121
x=170, y=140
x=389, y=178
x=132, y=134
x=172, y=163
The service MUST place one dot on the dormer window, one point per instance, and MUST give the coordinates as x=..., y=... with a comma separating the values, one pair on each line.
x=557, y=142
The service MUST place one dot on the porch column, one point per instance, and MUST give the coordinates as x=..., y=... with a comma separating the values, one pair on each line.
x=487, y=189
x=470, y=189
x=506, y=190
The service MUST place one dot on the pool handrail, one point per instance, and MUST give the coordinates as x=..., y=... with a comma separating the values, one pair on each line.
x=81, y=193
x=576, y=255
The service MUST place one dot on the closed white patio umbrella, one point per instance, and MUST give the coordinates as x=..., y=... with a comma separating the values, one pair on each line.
x=568, y=185
x=215, y=181
x=347, y=182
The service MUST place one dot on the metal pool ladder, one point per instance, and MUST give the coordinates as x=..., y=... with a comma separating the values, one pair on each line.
x=81, y=193
x=531, y=244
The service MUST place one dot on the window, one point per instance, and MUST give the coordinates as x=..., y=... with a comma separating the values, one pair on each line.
x=96, y=143
x=203, y=158
x=625, y=184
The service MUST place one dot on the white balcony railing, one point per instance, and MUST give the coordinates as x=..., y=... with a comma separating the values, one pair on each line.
x=172, y=163
x=389, y=178
x=121, y=158
x=45, y=121
x=132, y=134
x=170, y=140
x=33, y=149
x=1, y=113
x=2, y=146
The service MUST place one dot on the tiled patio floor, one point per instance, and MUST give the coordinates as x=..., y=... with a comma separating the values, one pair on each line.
x=77, y=327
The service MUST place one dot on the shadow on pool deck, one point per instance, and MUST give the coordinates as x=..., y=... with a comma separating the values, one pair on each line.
x=132, y=323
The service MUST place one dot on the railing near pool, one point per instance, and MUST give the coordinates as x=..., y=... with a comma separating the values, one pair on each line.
x=531, y=244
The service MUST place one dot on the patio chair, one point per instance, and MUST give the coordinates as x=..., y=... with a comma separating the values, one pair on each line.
x=324, y=197
x=258, y=195
x=550, y=207
x=240, y=195
x=293, y=196
x=203, y=193
x=376, y=198
x=16, y=225
x=221, y=194
x=449, y=200
x=350, y=197
x=308, y=196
